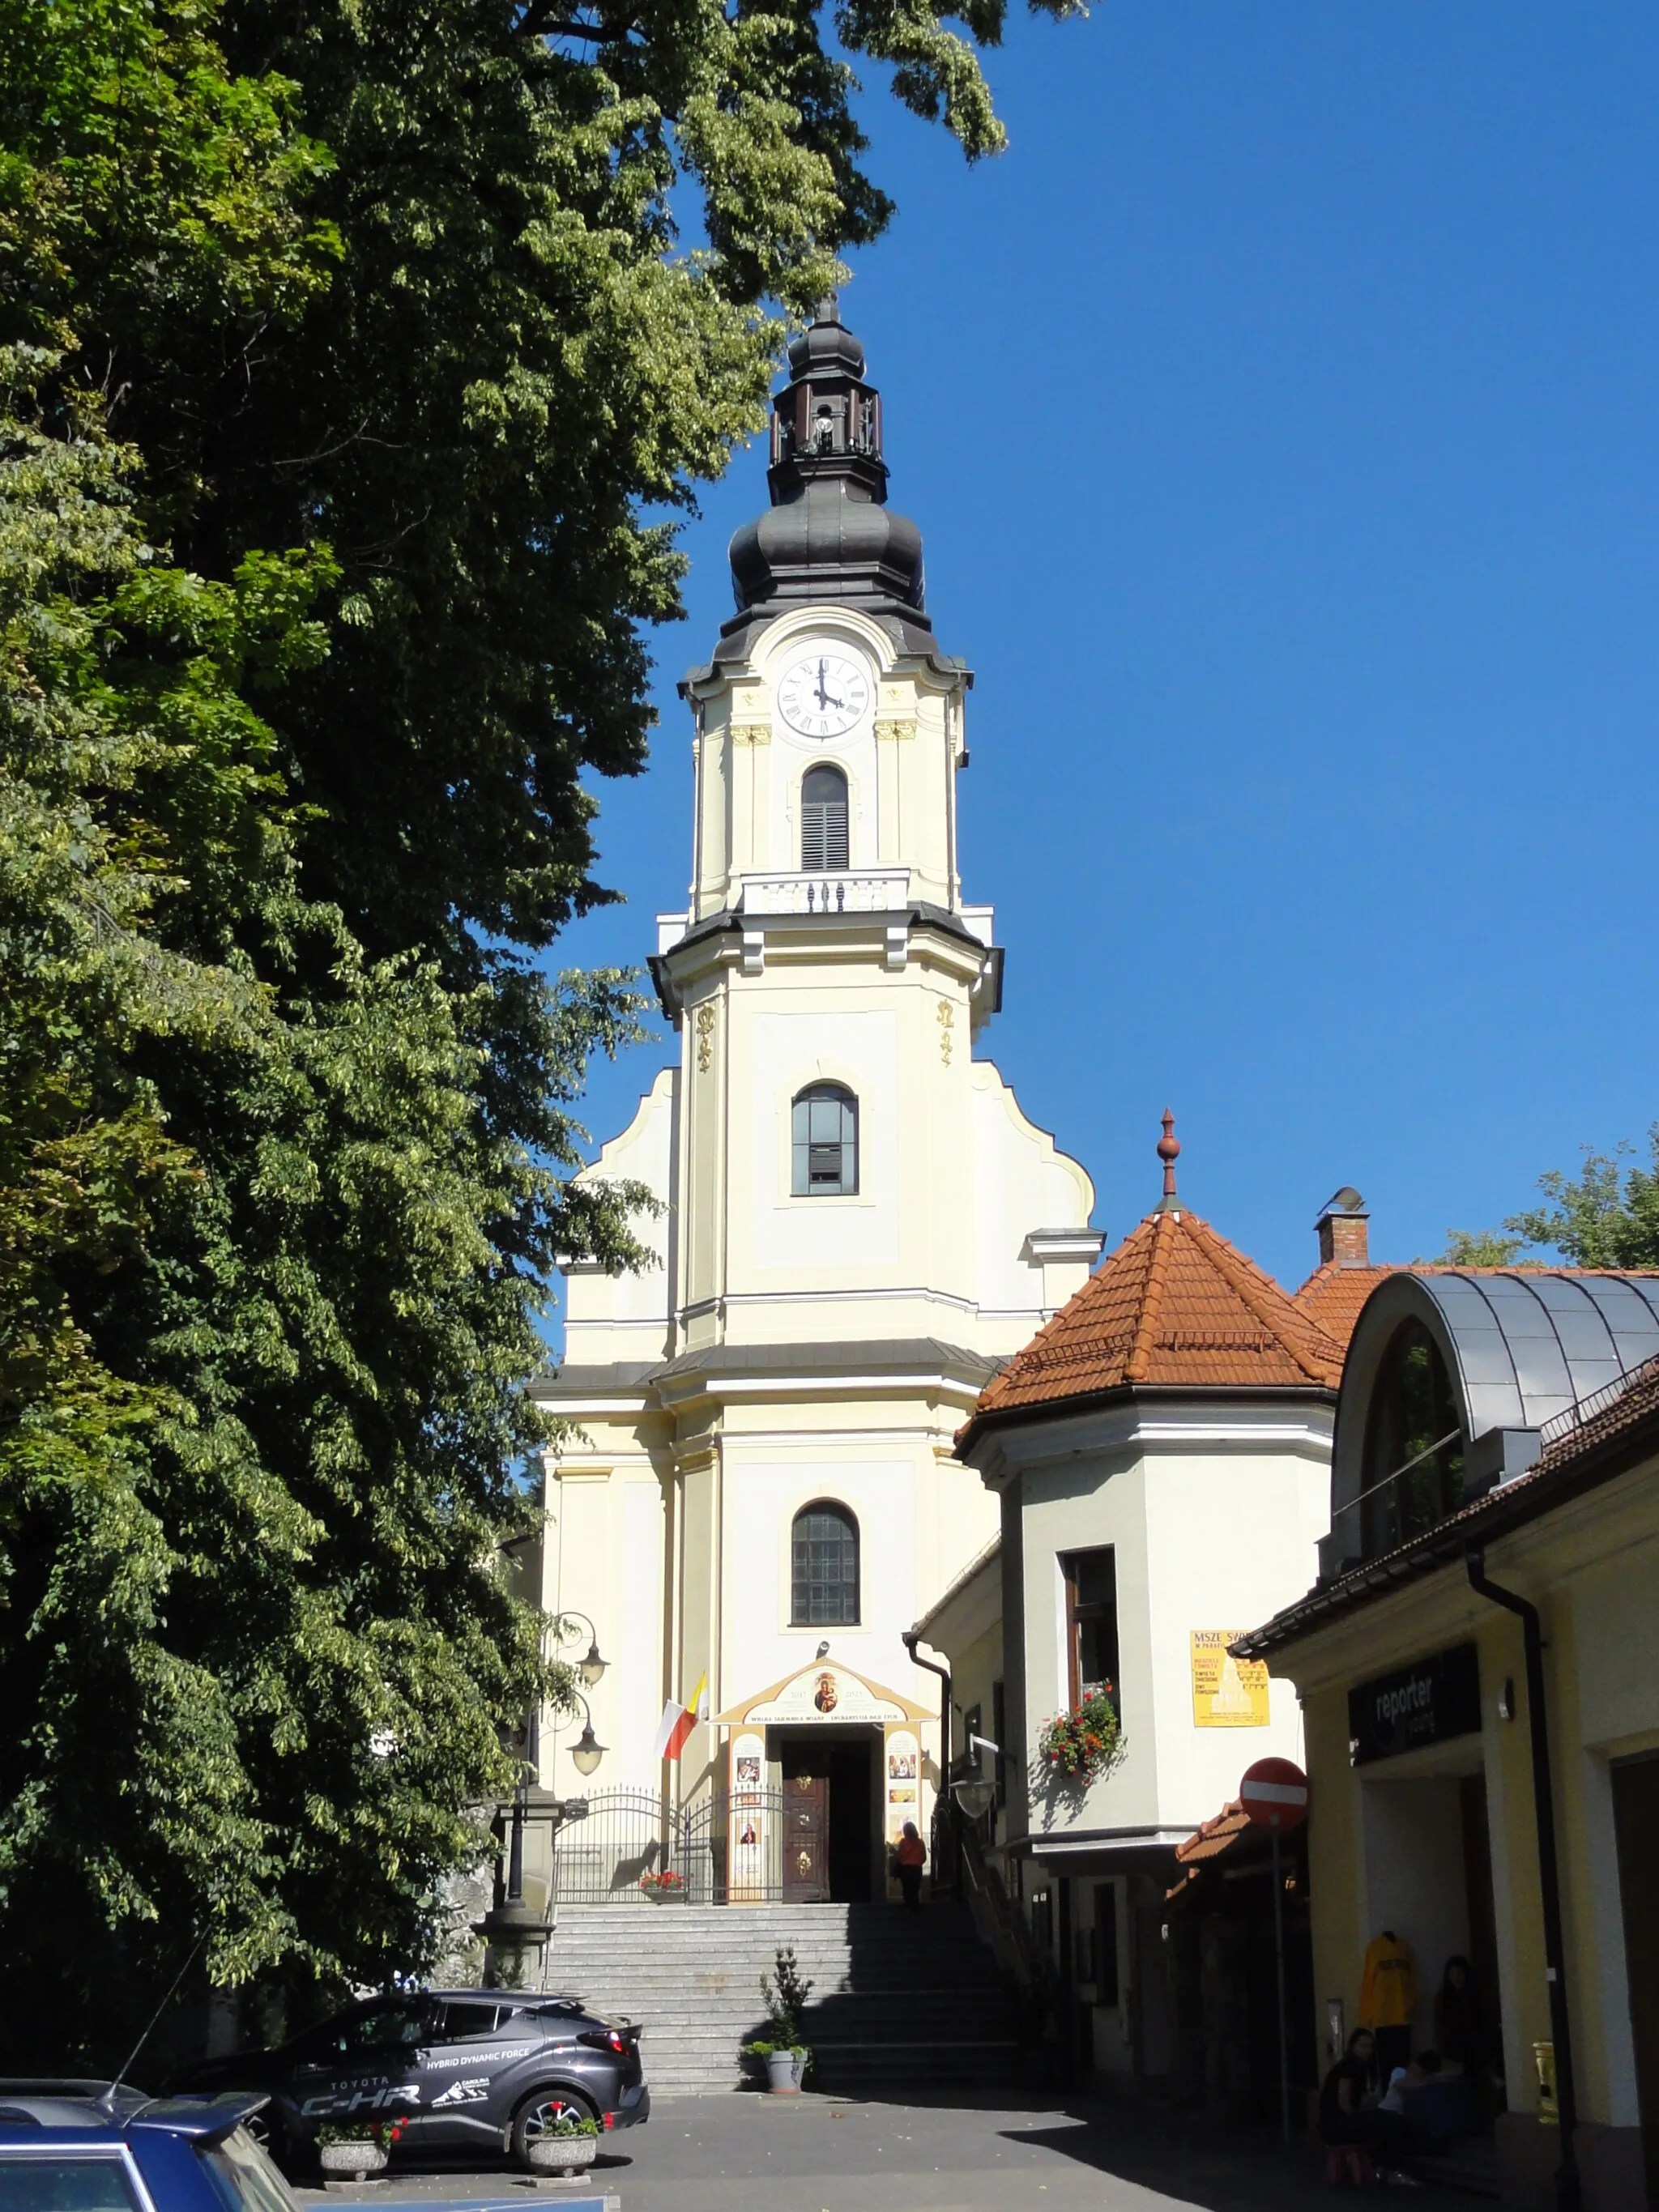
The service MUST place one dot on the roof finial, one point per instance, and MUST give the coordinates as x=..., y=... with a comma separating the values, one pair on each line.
x=1169, y=1150
x=828, y=309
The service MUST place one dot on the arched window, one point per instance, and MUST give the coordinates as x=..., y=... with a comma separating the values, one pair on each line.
x=823, y=818
x=1414, y=1445
x=824, y=1567
x=825, y=1143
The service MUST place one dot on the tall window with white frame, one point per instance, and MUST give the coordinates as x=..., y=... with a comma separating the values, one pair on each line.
x=824, y=841
x=824, y=1146
x=823, y=1565
x=1091, y=1625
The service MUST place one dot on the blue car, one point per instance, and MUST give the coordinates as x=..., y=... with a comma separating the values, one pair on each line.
x=75, y=2146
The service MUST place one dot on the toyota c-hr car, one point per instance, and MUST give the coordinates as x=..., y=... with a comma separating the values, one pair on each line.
x=485, y=2068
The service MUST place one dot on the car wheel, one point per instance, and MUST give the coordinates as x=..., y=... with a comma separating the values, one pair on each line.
x=539, y=2112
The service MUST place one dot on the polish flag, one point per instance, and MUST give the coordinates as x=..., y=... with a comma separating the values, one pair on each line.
x=674, y=1728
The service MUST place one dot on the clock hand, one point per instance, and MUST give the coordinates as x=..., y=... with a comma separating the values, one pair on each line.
x=823, y=698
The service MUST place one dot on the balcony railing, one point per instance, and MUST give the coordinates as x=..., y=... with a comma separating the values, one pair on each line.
x=835, y=891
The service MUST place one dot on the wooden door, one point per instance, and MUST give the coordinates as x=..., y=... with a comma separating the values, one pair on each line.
x=805, y=1834
x=1635, y=1822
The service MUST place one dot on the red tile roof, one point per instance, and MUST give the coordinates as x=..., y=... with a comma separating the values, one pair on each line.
x=1231, y=1827
x=1176, y=1306
x=1333, y=1294
x=1209, y=1842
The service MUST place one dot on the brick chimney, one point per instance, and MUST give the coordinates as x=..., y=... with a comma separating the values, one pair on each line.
x=1344, y=1237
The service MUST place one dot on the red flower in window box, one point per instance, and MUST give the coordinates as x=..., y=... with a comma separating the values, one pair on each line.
x=1085, y=1743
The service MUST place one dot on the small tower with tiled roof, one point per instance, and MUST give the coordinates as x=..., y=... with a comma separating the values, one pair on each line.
x=1161, y=1449
x=1176, y=1307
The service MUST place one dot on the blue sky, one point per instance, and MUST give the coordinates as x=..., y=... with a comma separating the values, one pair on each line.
x=1280, y=414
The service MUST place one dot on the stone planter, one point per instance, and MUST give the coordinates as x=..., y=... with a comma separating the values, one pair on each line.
x=352, y=2161
x=561, y=2154
x=783, y=2073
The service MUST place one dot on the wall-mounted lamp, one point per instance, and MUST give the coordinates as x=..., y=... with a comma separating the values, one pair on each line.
x=592, y=1666
x=586, y=1751
x=974, y=1792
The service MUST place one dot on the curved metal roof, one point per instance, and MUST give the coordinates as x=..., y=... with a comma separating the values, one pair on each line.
x=1528, y=1346
x=1520, y=1346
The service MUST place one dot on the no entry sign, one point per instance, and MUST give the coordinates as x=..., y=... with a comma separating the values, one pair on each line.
x=1274, y=1794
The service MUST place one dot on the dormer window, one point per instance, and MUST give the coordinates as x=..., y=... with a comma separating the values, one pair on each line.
x=823, y=819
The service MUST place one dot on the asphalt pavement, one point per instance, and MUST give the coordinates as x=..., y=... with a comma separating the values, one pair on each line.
x=761, y=2154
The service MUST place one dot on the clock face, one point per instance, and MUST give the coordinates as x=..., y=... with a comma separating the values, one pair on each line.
x=823, y=694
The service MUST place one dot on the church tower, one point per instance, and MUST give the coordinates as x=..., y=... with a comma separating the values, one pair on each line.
x=858, y=1224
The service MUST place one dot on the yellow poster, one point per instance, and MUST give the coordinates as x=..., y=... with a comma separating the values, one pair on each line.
x=1227, y=1693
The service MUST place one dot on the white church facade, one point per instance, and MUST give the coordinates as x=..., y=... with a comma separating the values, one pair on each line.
x=756, y=1489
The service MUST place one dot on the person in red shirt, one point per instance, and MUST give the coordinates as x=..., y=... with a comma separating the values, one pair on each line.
x=912, y=1856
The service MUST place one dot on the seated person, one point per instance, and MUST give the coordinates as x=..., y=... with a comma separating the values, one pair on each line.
x=1436, y=2105
x=1344, y=2117
x=1404, y=2079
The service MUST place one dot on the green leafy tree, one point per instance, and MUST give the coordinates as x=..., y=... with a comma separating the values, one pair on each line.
x=1479, y=1248
x=1607, y=1216
x=260, y=1353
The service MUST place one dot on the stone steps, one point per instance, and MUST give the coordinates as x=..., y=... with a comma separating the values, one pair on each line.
x=896, y=1998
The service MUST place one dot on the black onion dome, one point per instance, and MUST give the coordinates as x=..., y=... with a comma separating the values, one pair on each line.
x=829, y=536
x=826, y=345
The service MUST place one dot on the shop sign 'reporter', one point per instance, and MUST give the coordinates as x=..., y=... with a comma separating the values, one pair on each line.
x=1425, y=1702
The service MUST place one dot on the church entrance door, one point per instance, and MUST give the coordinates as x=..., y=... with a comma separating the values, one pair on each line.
x=829, y=1815
x=805, y=1825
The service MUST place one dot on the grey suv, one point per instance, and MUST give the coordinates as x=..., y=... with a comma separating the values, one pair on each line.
x=484, y=2068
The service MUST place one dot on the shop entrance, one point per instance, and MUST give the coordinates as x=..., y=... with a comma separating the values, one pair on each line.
x=1428, y=1881
x=831, y=1841
x=1635, y=1822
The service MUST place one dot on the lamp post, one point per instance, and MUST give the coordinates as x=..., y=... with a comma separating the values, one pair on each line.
x=513, y=1928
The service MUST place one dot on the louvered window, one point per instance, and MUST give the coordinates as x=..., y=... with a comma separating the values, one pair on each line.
x=825, y=1148
x=823, y=818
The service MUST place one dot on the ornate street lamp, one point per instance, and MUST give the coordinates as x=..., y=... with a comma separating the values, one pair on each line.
x=587, y=1751
x=592, y=1666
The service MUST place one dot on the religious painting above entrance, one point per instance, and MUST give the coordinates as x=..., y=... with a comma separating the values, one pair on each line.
x=822, y=1694
x=1227, y=1693
x=1428, y=1702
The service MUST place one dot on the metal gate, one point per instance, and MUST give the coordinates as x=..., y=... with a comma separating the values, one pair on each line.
x=752, y=1847
x=728, y=1847
x=600, y=1860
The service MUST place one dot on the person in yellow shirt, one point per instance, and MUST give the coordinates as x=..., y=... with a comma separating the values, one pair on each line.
x=1387, y=1998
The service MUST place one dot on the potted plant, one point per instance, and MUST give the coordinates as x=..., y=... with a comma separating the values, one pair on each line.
x=1076, y=1748
x=661, y=1887
x=783, y=2073
x=784, y=2056
x=565, y=2145
x=352, y=2150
